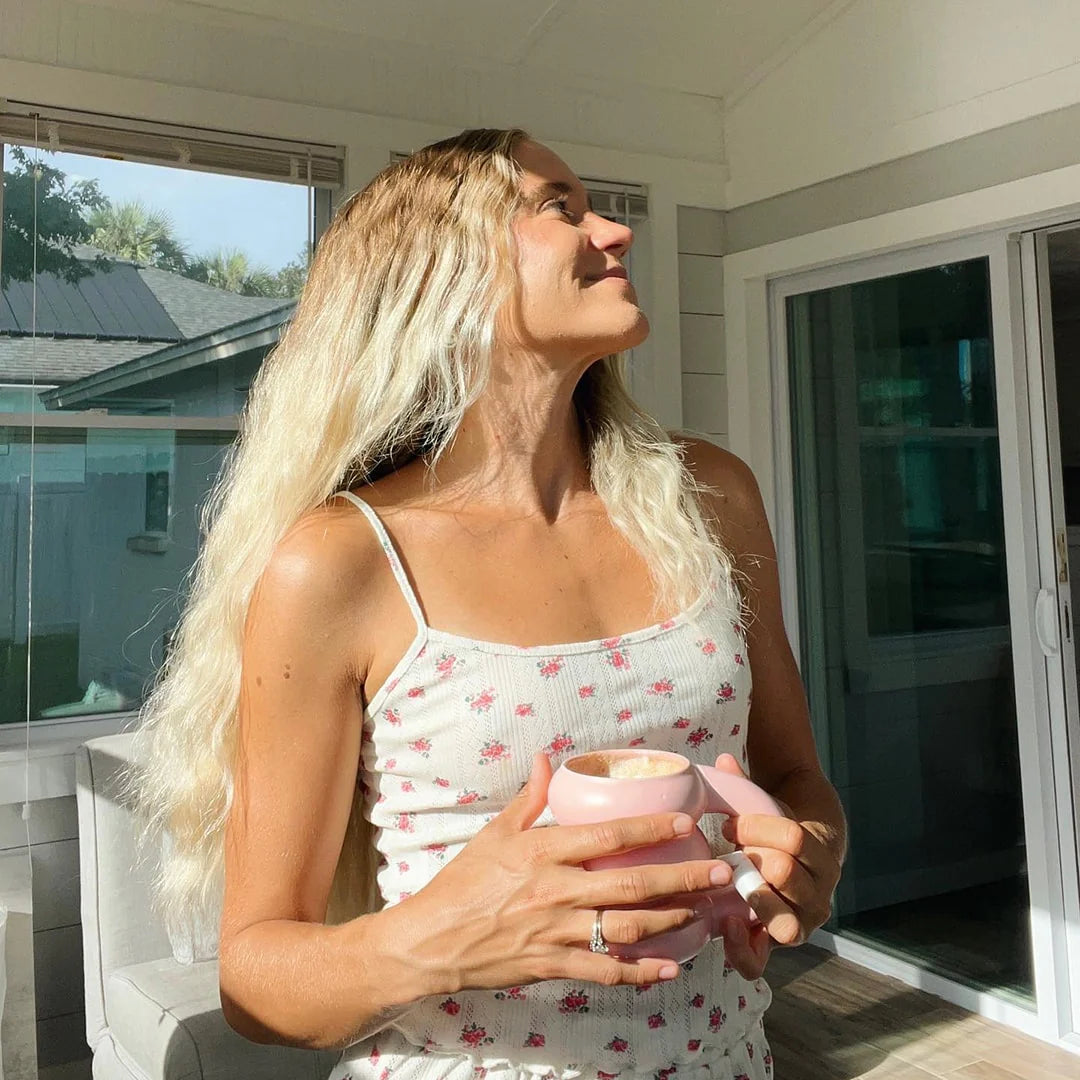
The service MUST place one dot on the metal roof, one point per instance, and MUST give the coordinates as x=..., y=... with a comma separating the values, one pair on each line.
x=113, y=304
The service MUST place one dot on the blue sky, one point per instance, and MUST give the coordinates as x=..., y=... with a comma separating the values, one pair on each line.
x=266, y=220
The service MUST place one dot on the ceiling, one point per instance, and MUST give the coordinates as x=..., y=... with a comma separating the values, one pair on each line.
x=710, y=47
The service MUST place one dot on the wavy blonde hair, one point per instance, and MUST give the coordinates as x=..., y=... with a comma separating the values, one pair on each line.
x=390, y=343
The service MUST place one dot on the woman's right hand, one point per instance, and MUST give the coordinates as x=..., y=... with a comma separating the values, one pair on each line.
x=514, y=906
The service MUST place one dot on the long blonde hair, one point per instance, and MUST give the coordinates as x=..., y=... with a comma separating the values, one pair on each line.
x=390, y=343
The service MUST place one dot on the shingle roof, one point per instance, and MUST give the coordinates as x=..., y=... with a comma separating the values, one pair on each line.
x=62, y=360
x=197, y=308
x=109, y=317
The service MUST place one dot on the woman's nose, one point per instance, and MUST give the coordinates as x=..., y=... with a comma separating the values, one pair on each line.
x=613, y=236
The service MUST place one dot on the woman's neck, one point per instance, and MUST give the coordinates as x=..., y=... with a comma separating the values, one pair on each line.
x=520, y=448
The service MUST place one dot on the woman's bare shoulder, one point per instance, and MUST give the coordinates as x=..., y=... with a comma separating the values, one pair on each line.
x=332, y=558
x=733, y=498
x=735, y=491
x=322, y=575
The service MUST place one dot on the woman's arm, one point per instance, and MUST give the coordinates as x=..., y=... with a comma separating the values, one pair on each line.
x=783, y=758
x=284, y=976
x=800, y=856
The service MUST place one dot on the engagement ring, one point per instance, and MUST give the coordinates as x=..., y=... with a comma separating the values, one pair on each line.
x=598, y=944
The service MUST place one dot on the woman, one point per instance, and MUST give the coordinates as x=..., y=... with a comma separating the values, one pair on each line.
x=430, y=560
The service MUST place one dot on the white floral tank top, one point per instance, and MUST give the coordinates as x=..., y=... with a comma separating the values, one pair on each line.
x=447, y=743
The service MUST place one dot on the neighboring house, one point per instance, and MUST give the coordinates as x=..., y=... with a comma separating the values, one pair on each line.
x=84, y=330
x=115, y=498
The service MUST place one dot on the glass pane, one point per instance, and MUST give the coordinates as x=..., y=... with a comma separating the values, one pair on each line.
x=933, y=532
x=116, y=528
x=143, y=291
x=905, y=618
x=21, y=399
x=1063, y=258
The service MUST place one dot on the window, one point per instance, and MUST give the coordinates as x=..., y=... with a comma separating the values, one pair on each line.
x=903, y=387
x=140, y=290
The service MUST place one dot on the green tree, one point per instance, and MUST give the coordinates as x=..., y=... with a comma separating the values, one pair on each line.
x=132, y=231
x=61, y=221
x=292, y=277
x=232, y=270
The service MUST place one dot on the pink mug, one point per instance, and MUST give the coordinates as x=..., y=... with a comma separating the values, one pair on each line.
x=582, y=792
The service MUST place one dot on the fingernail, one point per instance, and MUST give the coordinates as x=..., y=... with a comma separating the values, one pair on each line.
x=683, y=825
x=669, y=971
x=720, y=875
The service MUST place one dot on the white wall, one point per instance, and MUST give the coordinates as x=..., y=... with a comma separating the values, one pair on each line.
x=887, y=78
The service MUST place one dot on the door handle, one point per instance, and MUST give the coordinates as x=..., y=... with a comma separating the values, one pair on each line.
x=1046, y=629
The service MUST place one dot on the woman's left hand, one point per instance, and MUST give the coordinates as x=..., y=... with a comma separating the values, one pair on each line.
x=801, y=871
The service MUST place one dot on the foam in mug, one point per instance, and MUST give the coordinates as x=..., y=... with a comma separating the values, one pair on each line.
x=626, y=768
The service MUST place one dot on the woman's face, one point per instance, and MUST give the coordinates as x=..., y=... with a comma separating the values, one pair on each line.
x=574, y=299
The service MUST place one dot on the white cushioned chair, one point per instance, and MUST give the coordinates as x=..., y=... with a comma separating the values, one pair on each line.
x=152, y=1006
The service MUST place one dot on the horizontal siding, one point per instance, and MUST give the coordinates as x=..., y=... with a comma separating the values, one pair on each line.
x=702, y=348
x=703, y=359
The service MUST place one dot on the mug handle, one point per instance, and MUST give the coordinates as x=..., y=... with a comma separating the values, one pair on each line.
x=729, y=794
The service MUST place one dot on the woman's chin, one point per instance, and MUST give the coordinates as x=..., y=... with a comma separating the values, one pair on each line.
x=635, y=333
x=614, y=346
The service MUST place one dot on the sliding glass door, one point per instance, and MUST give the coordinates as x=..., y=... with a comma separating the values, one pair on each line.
x=1050, y=261
x=897, y=470
x=910, y=546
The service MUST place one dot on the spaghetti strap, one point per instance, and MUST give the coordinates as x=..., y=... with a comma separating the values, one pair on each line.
x=391, y=554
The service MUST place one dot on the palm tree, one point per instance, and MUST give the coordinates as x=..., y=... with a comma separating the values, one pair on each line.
x=131, y=231
x=231, y=270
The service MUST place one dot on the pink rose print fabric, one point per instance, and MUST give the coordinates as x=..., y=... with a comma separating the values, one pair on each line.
x=448, y=742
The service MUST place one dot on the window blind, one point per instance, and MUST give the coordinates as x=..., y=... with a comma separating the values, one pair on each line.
x=170, y=144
